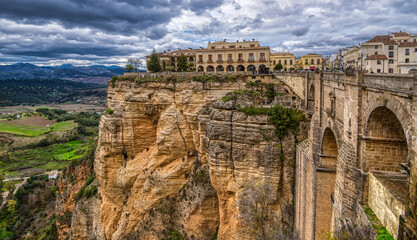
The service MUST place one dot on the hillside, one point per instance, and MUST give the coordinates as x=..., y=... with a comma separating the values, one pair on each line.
x=91, y=74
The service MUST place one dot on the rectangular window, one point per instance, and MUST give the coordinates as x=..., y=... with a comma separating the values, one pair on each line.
x=252, y=45
x=407, y=51
x=232, y=46
x=275, y=63
x=415, y=49
x=279, y=61
x=250, y=56
x=213, y=47
x=391, y=61
x=262, y=56
x=378, y=61
x=306, y=61
x=290, y=62
x=200, y=58
x=219, y=57
x=391, y=48
x=376, y=46
x=378, y=70
x=318, y=61
x=407, y=60
x=210, y=58
x=240, y=57
x=390, y=54
x=391, y=70
x=285, y=62
x=229, y=57
x=405, y=40
x=312, y=61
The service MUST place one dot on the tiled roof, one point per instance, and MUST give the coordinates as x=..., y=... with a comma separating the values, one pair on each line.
x=401, y=34
x=282, y=54
x=377, y=57
x=177, y=53
x=408, y=44
x=385, y=39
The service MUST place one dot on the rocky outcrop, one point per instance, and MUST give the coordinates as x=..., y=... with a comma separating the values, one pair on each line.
x=172, y=158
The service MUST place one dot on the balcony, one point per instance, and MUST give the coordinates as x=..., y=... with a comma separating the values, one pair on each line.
x=219, y=61
x=230, y=60
x=251, y=60
x=200, y=60
x=262, y=60
x=210, y=61
x=240, y=61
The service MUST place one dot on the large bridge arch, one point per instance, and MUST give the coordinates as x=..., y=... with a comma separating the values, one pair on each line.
x=325, y=182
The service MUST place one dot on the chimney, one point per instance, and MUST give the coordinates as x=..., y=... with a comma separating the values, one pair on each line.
x=224, y=40
x=253, y=39
x=237, y=40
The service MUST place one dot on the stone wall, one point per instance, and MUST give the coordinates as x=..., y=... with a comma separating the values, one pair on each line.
x=385, y=205
x=367, y=138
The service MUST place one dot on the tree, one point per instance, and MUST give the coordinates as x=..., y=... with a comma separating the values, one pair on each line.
x=278, y=67
x=190, y=66
x=153, y=64
x=182, y=63
x=129, y=67
x=164, y=65
x=136, y=63
x=2, y=177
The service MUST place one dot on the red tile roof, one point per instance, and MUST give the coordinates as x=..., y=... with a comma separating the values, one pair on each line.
x=385, y=39
x=177, y=53
x=377, y=57
x=400, y=34
x=408, y=44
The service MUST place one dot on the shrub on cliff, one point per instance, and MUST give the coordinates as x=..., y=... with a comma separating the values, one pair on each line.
x=153, y=64
x=255, y=212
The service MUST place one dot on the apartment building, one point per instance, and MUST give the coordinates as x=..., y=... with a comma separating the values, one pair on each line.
x=393, y=53
x=285, y=58
x=239, y=56
x=351, y=58
x=311, y=61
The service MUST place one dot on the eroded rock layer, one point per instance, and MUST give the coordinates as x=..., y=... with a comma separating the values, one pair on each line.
x=172, y=158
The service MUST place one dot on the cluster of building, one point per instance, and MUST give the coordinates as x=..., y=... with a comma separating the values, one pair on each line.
x=393, y=53
x=239, y=56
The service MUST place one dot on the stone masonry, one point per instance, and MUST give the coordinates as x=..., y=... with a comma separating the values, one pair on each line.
x=360, y=123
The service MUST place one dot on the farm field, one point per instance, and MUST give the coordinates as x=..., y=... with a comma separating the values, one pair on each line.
x=33, y=161
x=65, y=107
x=34, y=126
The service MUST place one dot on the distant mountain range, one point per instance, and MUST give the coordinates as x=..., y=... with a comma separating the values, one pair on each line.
x=91, y=74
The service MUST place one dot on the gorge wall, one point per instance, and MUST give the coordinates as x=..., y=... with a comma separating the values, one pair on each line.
x=172, y=159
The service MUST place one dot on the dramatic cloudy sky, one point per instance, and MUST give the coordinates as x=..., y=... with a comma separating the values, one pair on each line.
x=84, y=32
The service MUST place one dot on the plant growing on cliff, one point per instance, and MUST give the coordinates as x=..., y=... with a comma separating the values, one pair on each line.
x=255, y=212
x=153, y=64
x=164, y=65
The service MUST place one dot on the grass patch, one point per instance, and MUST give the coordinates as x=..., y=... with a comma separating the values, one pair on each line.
x=40, y=159
x=29, y=131
x=64, y=126
x=383, y=234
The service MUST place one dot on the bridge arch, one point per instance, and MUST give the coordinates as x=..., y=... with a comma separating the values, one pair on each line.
x=385, y=141
x=325, y=182
x=311, y=98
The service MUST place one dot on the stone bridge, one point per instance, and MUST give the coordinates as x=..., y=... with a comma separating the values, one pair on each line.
x=361, y=152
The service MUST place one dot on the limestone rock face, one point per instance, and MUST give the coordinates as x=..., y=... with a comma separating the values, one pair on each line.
x=172, y=158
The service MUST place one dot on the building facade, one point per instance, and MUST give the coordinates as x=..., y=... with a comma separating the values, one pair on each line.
x=393, y=53
x=223, y=57
x=311, y=61
x=171, y=58
x=286, y=59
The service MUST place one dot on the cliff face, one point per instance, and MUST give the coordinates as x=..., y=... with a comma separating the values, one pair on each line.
x=171, y=160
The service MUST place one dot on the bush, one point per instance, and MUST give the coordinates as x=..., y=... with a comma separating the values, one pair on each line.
x=108, y=111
